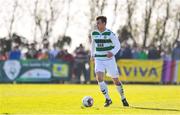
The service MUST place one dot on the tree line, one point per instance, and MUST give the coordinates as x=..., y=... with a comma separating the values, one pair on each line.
x=145, y=22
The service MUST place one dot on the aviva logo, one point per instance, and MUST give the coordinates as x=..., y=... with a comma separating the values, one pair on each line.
x=138, y=71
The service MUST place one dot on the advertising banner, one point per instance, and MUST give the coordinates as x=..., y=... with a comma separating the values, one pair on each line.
x=140, y=70
x=60, y=70
x=178, y=71
x=35, y=70
x=169, y=68
x=137, y=70
x=10, y=70
x=1, y=77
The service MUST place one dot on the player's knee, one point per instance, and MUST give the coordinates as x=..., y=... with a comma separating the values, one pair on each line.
x=99, y=79
x=117, y=82
x=99, y=76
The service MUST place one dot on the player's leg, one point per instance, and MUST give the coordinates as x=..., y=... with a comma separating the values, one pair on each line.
x=99, y=70
x=103, y=88
x=119, y=87
x=113, y=72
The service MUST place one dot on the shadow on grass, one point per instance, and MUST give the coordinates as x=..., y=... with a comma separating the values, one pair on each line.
x=157, y=109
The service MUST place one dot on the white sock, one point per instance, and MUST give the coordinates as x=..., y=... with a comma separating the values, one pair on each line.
x=120, y=90
x=104, y=89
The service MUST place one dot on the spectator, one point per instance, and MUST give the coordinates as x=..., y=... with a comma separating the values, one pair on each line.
x=67, y=57
x=135, y=52
x=3, y=56
x=15, y=53
x=127, y=54
x=153, y=53
x=60, y=55
x=32, y=52
x=42, y=54
x=176, y=52
x=24, y=51
x=119, y=54
x=142, y=54
x=81, y=58
x=54, y=52
x=166, y=54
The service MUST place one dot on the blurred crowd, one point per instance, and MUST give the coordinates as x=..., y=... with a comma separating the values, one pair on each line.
x=30, y=51
x=152, y=52
x=79, y=59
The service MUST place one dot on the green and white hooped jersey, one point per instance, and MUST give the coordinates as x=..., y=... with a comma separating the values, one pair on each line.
x=103, y=42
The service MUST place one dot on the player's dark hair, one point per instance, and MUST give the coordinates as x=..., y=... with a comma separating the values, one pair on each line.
x=102, y=18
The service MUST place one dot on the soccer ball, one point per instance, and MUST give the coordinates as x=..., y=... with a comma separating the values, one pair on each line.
x=87, y=101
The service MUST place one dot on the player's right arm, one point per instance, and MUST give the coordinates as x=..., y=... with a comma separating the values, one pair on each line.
x=92, y=48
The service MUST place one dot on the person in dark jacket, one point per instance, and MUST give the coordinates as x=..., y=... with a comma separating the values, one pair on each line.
x=153, y=53
x=127, y=53
x=176, y=52
x=81, y=59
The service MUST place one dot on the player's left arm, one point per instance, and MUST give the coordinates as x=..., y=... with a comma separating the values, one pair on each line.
x=116, y=44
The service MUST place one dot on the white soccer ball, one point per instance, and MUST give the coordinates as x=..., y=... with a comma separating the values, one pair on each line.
x=87, y=101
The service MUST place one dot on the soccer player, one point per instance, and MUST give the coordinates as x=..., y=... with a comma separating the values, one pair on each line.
x=104, y=46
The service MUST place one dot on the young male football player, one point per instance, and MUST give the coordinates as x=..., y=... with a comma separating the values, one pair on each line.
x=104, y=46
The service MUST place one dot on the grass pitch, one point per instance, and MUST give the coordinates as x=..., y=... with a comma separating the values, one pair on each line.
x=66, y=99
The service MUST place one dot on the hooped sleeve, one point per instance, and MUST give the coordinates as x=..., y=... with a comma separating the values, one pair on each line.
x=92, y=46
x=116, y=44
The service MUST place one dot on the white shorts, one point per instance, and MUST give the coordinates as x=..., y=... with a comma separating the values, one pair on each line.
x=109, y=66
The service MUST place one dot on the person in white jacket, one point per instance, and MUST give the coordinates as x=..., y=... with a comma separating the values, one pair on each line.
x=104, y=46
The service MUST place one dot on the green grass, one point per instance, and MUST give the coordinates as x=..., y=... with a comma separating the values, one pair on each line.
x=66, y=99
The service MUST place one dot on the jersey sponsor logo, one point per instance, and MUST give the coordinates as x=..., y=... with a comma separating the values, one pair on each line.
x=100, y=45
x=103, y=41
